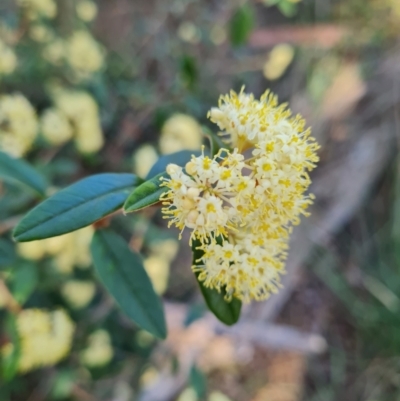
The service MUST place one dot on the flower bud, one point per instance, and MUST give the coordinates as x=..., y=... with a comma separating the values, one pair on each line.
x=188, y=204
x=193, y=192
x=191, y=168
x=192, y=216
x=172, y=169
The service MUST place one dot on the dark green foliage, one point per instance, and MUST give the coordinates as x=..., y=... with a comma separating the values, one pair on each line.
x=7, y=253
x=241, y=25
x=198, y=381
x=146, y=194
x=188, y=70
x=21, y=173
x=121, y=271
x=76, y=206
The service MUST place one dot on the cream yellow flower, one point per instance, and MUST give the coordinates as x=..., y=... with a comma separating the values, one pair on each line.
x=218, y=396
x=144, y=159
x=86, y=10
x=18, y=124
x=240, y=211
x=78, y=293
x=39, y=8
x=180, y=132
x=45, y=338
x=55, y=127
x=158, y=270
x=157, y=264
x=99, y=351
x=84, y=54
x=40, y=33
x=279, y=60
x=54, y=52
x=166, y=249
x=69, y=250
x=83, y=113
x=189, y=32
x=8, y=59
x=188, y=394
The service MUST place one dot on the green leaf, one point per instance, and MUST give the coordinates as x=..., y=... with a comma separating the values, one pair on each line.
x=189, y=71
x=7, y=253
x=122, y=273
x=19, y=172
x=198, y=381
x=24, y=281
x=146, y=194
x=226, y=312
x=76, y=206
x=180, y=158
x=241, y=25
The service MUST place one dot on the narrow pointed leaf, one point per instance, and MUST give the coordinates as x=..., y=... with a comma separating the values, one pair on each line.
x=21, y=173
x=146, y=194
x=180, y=158
x=226, y=312
x=76, y=206
x=122, y=273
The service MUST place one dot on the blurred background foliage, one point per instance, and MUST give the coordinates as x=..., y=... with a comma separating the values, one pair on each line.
x=88, y=87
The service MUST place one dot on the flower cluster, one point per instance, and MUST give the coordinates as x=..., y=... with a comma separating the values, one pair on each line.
x=241, y=204
x=18, y=124
x=75, y=115
x=179, y=132
x=80, y=52
x=45, y=338
x=84, y=54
